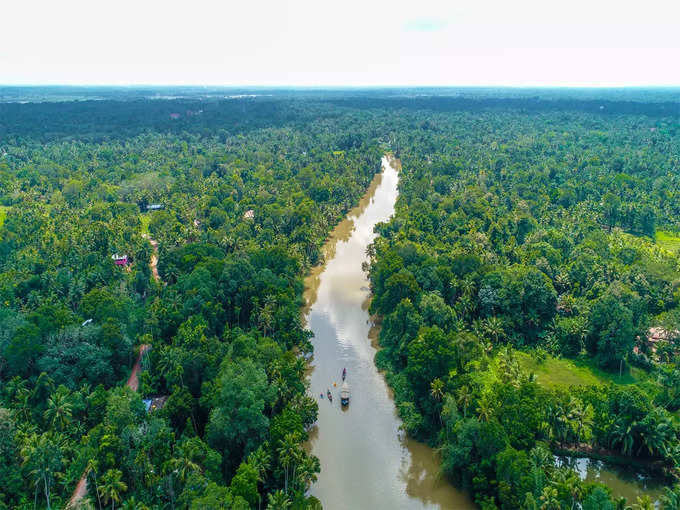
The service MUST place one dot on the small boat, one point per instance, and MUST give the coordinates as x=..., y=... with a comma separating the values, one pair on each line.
x=344, y=394
x=330, y=397
x=344, y=373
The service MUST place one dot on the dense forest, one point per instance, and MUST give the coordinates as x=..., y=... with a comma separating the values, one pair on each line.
x=237, y=215
x=532, y=236
x=522, y=241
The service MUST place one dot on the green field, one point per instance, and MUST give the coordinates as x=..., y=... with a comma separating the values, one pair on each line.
x=555, y=372
x=668, y=241
x=145, y=219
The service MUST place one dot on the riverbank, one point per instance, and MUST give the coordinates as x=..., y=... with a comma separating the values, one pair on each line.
x=362, y=445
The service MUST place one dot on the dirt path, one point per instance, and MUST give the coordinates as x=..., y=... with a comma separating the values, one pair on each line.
x=153, y=263
x=79, y=493
x=133, y=384
x=133, y=380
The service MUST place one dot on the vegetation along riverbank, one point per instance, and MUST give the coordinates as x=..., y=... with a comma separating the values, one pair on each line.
x=527, y=285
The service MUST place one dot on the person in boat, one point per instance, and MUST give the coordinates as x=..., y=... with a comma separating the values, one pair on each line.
x=321, y=395
x=330, y=397
x=344, y=373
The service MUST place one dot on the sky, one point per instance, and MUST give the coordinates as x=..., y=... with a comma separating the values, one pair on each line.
x=341, y=43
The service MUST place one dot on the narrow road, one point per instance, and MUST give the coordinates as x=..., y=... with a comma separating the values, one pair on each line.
x=133, y=383
x=153, y=263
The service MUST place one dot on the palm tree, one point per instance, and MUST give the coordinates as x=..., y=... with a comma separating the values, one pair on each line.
x=288, y=453
x=464, y=397
x=541, y=458
x=657, y=435
x=42, y=456
x=644, y=503
x=485, y=408
x=113, y=486
x=549, y=499
x=468, y=287
x=133, y=504
x=59, y=410
x=493, y=327
x=260, y=459
x=671, y=498
x=437, y=389
x=309, y=467
x=183, y=466
x=265, y=318
x=92, y=469
x=581, y=415
x=23, y=407
x=278, y=501
x=623, y=435
x=559, y=423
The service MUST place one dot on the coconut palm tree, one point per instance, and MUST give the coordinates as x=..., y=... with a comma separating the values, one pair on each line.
x=485, y=408
x=644, y=503
x=260, y=459
x=91, y=469
x=288, y=455
x=581, y=415
x=183, y=466
x=467, y=287
x=437, y=389
x=278, y=501
x=464, y=398
x=59, y=410
x=133, y=504
x=549, y=499
x=671, y=498
x=42, y=457
x=309, y=467
x=493, y=327
x=113, y=487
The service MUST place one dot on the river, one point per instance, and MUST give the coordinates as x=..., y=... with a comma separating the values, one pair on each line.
x=623, y=481
x=366, y=461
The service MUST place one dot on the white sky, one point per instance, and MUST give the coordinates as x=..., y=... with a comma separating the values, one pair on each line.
x=344, y=42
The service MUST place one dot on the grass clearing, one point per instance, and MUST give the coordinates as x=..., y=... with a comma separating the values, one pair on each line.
x=3, y=214
x=669, y=241
x=554, y=372
x=145, y=219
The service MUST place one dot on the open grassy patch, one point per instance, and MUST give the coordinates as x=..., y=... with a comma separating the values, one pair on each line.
x=553, y=372
x=3, y=214
x=668, y=241
x=145, y=219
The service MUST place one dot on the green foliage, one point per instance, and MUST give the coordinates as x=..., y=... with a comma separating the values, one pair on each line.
x=536, y=232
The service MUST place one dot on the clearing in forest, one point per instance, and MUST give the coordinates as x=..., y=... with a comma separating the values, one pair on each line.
x=668, y=241
x=553, y=372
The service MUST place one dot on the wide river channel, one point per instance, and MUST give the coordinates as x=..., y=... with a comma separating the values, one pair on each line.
x=366, y=461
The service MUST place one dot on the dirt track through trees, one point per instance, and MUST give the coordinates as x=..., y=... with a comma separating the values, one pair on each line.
x=133, y=383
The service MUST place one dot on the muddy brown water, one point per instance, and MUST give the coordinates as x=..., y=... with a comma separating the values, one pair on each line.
x=623, y=481
x=366, y=461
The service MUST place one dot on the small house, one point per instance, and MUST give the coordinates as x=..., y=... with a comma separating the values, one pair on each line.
x=249, y=214
x=657, y=334
x=174, y=116
x=154, y=207
x=154, y=404
x=120, y=260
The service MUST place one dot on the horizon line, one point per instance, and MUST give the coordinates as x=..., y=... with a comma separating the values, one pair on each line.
x=339, y=87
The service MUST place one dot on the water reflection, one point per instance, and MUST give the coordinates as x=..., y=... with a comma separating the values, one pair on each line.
x=365, y=460
x=623, y=482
